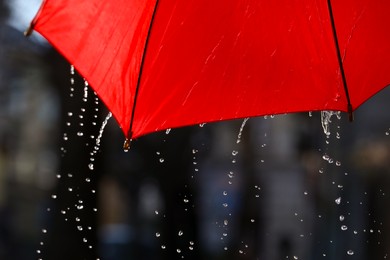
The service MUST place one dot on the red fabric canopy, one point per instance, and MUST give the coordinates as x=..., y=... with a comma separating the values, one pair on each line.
x=171, y=63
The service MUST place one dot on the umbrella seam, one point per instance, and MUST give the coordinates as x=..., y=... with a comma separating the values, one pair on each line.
x=130, y=132
x=340, y=61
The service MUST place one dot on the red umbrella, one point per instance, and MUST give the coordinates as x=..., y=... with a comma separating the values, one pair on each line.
x=171, y=63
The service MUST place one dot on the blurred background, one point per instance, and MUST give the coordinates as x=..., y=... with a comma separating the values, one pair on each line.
x=272, y=187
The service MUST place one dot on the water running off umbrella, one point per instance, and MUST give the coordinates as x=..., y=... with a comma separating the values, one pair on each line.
x=326, y=122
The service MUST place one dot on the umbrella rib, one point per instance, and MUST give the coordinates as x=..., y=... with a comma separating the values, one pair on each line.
x=130, y=133
x=340, y=61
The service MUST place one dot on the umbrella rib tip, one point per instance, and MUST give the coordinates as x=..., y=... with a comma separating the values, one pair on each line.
x=28, y=31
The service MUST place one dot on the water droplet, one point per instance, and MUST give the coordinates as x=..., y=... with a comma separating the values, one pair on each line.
x=70, y=114
x=44, y=231
x=225, y=222
x=342, y=217
x=79, y=228
x=178, y=250
x=241, y=129
x=90, y=166
x=163, y=247
x=180, y=233
x=225, y=193
x=338, y=163
x=156, y=212
x=185, y=200
x=252, y=220
x=326, y=120
x=54, y=196
x=338, y=200
x=80, y=133
x=158, y=234
x=168, y=131
x=202, y=125
x=344, y=227
x=161, y=160
x=234, y=153
x=225, y=205
x=350, y=252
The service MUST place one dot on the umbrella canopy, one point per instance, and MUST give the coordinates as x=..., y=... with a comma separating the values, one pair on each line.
x=160, y=64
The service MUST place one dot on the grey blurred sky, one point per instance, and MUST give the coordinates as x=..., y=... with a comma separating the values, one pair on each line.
x=23, y=11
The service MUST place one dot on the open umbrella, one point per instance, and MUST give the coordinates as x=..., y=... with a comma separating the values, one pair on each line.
x=171, y=63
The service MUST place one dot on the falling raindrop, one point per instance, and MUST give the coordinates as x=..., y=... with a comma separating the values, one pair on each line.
x=109, y=115
x=326, y=117
x=241, y=129
x=350, y=252
x=85, y=97
x=344, y=227
x=338, y=200
x=342, y=217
